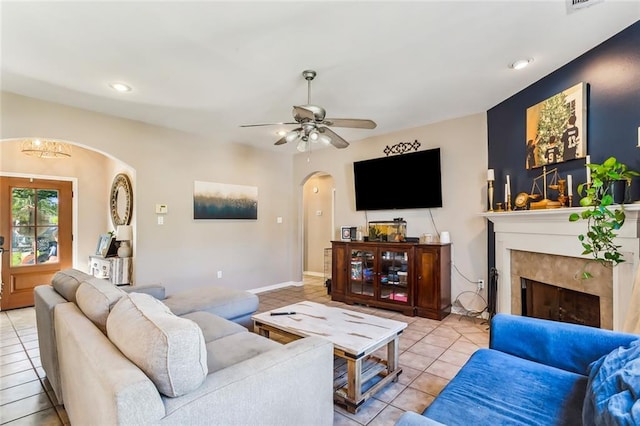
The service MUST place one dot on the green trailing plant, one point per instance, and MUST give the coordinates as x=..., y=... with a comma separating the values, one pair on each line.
x=602, y=220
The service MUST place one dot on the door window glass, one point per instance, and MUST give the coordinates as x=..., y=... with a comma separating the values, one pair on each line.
x=34, y=226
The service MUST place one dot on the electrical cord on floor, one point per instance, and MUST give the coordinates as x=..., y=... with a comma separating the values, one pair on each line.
x=457, y=303
x=463, y=310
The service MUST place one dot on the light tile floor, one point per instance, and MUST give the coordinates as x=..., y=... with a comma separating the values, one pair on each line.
x=432, y=352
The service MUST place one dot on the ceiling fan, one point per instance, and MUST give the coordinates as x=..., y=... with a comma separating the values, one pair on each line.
x=313, y=124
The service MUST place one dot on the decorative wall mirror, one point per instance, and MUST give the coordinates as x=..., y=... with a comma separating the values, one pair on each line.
x=121, y=200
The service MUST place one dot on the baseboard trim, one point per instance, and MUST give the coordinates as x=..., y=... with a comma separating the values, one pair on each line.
x=313, y=274
x=275, y=287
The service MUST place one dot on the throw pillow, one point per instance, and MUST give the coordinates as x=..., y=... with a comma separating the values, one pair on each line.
x=170, y=350
x=613, y=389
x=66, y=282
x=95, y=298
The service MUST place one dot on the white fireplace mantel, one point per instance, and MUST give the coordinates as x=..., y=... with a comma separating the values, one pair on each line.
x=550, y=232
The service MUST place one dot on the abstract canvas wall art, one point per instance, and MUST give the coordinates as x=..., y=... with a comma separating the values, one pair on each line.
x=224, y=201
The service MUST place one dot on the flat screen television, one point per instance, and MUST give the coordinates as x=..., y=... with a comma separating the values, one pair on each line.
x=404, y=181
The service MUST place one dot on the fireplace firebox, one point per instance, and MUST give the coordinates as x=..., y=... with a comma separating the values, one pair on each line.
x=541, y=300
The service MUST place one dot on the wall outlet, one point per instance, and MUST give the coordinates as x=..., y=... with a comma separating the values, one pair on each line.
x=219, y=274
x=480, y=284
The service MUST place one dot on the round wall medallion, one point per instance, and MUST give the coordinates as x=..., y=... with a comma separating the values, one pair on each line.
x=121, y=201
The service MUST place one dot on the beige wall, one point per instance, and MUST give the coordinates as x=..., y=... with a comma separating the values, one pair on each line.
x=183, y=252
x=317, y=221
x=463, y=145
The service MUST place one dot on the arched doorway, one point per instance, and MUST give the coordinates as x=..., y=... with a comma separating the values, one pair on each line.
x=91, y=173
x=318, y=222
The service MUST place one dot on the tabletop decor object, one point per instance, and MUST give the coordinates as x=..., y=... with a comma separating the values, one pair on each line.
x=490, y=178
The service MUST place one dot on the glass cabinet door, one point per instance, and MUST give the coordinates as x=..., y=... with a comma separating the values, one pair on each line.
x=393, y=276
x=362, y=275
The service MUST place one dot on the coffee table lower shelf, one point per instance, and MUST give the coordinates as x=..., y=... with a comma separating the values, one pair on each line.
x=356, y=377
x=375, y=375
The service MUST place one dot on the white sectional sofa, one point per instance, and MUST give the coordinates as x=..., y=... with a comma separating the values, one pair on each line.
x=125, y=358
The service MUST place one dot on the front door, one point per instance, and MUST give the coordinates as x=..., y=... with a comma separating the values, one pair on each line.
x=35, y=221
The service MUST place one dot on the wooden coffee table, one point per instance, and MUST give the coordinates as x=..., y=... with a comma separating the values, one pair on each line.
x=355, y=336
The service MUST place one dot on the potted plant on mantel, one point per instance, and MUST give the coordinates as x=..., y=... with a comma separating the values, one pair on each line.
x=602, y=220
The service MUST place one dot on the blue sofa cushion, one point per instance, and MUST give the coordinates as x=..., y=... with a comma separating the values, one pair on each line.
x=567, y=346
x=495, y=388
x=613, y=390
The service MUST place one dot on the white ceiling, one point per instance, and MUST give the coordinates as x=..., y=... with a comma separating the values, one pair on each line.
x=209, y=66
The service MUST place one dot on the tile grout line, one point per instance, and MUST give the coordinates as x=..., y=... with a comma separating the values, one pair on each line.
x=40, y=379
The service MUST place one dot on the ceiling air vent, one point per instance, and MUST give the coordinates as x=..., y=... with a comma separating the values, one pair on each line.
x=575, y=5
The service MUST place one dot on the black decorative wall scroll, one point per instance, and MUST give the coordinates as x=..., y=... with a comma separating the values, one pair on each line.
x=402, y=147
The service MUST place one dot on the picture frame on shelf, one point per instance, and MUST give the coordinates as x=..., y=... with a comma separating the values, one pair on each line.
x=104, y=244
x=348, y=233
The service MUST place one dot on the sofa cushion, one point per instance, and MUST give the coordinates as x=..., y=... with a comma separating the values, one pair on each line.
x=95, y=298
x=67, y=281
x=613, y=391
x=494, y=388
x=214, y=327
x=170, y=350
x=236, y=348
x=224, y=302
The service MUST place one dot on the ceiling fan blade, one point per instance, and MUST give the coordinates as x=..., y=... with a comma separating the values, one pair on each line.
x=281, y=141
x=336, y=140
x=356, y=123
x=265, y=124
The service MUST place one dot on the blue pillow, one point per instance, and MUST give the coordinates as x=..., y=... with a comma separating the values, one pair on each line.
x=613, y=389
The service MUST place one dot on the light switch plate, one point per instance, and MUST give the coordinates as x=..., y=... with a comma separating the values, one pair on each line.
x=161, y=209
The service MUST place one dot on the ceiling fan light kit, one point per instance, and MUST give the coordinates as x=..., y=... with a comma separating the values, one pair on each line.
x=312, y=122
x=291, y=136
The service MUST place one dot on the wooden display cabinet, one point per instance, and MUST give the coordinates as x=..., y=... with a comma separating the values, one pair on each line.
x=414, y=279
x=433, y=281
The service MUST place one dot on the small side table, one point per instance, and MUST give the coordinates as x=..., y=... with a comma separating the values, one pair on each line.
x=115, y=269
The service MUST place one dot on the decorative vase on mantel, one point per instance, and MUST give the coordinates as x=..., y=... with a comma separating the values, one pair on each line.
x=621, y=191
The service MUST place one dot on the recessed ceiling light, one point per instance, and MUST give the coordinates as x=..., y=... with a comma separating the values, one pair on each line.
x=120, y=87
x=520, y=63
x=281, y=132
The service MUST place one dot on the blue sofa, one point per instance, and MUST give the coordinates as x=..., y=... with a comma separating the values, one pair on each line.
x=539, y=372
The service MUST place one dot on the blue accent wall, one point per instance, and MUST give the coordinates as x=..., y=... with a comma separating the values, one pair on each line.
x=612, y=73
